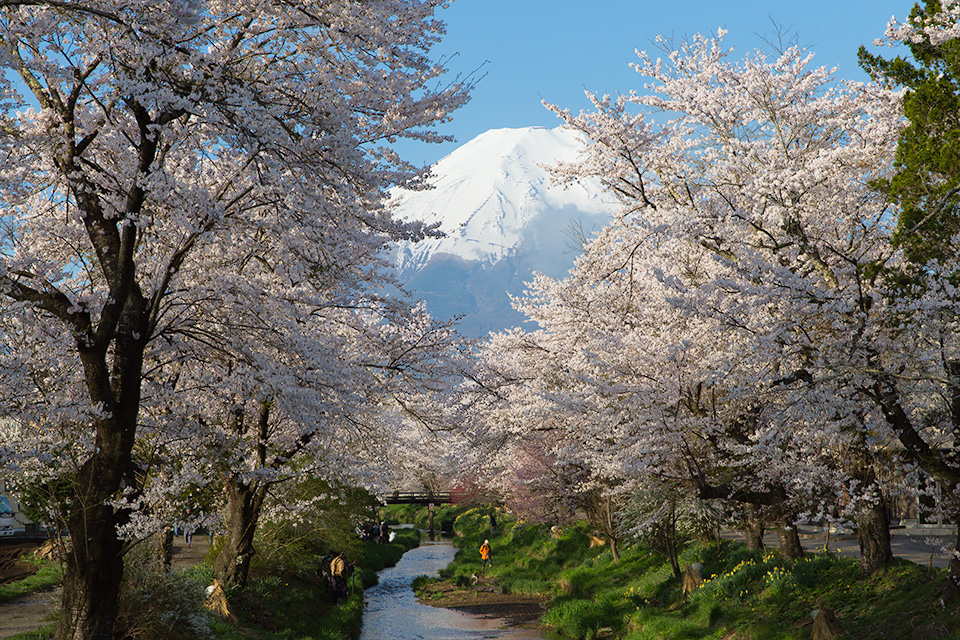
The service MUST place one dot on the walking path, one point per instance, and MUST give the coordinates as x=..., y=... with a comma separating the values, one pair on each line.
x=910, y=545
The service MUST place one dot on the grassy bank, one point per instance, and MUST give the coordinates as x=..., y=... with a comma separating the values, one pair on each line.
x=745, y=594
x=286, y=606
x=279, y=603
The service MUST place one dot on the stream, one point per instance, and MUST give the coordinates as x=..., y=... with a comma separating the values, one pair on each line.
x=392, y=612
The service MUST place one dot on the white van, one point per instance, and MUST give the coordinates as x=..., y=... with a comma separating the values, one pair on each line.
x=8, y=519
x=12, y=520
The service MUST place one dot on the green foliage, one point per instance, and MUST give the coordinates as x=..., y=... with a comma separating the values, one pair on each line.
x=292, y=608
x=743, y=580
x=419, y=515
x=213, y=551
x=806, y=573
x=290, y=545
x=476, y=523
x=420, y=582
x=294, y=605
x=927, y=177
x=152, y=602
x=44, y=502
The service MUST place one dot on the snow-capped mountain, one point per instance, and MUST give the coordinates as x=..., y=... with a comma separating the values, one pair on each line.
x=503, y=218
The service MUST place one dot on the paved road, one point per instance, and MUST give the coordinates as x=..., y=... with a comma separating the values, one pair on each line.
x=909, y=547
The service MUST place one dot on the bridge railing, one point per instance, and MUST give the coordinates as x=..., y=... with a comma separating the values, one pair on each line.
x=413, y=497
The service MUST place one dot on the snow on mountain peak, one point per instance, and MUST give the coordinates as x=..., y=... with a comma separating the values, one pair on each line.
x=504, y=219
x=487, y=194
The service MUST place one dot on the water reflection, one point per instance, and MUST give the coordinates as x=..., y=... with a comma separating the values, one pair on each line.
x=393, y=613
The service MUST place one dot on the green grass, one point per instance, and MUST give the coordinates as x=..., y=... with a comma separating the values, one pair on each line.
x=746, y=594
x=297, y=607
x=43, y=633
x=47, y=577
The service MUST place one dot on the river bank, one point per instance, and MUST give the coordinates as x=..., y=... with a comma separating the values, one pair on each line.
x=487, y=600
x=743, y=593
x=275, y=604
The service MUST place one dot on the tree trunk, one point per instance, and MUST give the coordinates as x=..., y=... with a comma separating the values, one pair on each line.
x=873, y=531
x=674, y=557
x=244, y=502
x=873, y=520
x=952, y=507
x=94, y=566
x=952, y=590
x=790, y=546
x=94, y=563
x=91, y=579
x=753, y=528
x=163, y=550
x=614, y=547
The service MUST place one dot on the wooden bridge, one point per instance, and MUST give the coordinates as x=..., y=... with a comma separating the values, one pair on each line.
x=414, y=497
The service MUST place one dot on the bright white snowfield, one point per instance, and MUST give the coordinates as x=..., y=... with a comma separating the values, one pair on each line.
x=504, y=218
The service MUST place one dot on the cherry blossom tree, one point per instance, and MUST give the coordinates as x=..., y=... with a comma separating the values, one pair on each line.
x=143, y=136
x=720, y=331
x=324, y=414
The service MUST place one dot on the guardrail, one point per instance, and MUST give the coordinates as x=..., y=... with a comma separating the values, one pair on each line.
x=412, y=497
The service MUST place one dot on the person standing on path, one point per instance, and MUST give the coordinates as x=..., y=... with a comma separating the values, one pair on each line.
x=485, y=555
x=187, y=529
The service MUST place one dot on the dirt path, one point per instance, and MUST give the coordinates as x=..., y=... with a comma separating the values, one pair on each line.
x=30, y=611
x=27, y=613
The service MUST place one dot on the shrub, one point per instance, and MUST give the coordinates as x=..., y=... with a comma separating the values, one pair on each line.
x=738, y=581
x=368, y=577
x=778, y=580
x=420, y=582
x=157, y=605
x=475, y=523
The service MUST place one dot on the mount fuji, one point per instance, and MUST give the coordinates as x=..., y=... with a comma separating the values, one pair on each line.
x=503, y=220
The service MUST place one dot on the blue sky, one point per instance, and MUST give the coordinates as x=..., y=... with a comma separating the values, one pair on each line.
x=533, y=50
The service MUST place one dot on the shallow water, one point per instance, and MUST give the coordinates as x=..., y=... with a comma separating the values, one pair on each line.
x=393, y=613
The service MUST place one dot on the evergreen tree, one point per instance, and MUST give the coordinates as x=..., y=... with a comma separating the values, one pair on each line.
x=926, y=183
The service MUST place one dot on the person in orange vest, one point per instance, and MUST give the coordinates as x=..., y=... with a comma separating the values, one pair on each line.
x=485, y=555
